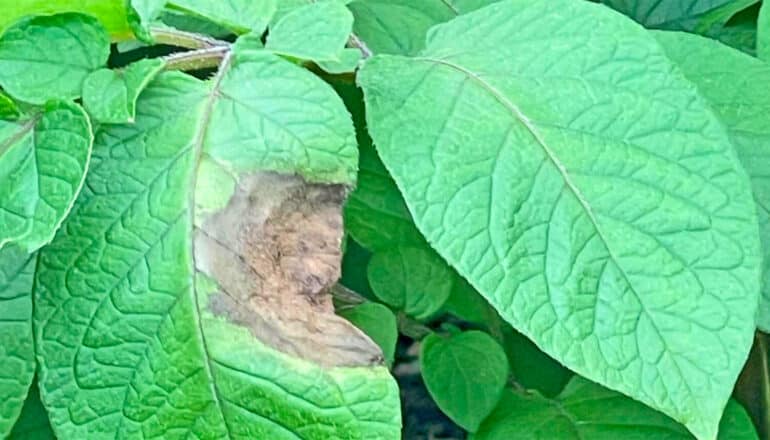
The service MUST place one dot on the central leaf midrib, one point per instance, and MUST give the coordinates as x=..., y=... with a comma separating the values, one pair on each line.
x=197, y=151
x=520, y=117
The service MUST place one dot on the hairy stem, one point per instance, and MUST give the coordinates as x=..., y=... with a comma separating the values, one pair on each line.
x=355, y=41
x=197, y=59
x=188, y=40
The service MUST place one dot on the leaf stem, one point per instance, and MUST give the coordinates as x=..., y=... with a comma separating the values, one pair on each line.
x=355, y=41
x=189, y=40
x=197, y=59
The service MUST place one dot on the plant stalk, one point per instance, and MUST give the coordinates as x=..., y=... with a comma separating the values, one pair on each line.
x=197, y=59
x=189, y=40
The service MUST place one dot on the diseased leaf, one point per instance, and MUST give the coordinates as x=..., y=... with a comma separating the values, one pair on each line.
x=687, y=15
x=111, y=13
x=379, y=323
x=552, y=154
x=410, y=279
x=110, y=96
x=743, y=108
x=43, y=162
x=465, y=374
x=48, y=57
x=186, y=295
x=33, y=423
x=241, y=16
x=317, y=31
x=585, y=410
x=397, y=26
x=17, y=352
x=763, y=32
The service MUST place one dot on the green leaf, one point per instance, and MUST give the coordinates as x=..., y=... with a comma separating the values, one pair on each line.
x=687, y=15
x=43, y=162
x=33, y=423
x=17, y=352
x=317, y=32
x=111, y=13
x=185, y=295
x=379, y=323
x=110, y=96
x=8, y=108
x=466, y=303
x=141, y=13
x=48, y=57
x=287, y=6
x=531, y=367
x=585, y=410
x=763, y=32
x=553, y=155
x=743, y=108
x=348, y=62
x=397, y=26
x=241, y=16
x=411, y=279
x=465, y=374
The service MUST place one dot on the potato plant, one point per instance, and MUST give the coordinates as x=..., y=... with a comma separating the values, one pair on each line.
x=383, y=219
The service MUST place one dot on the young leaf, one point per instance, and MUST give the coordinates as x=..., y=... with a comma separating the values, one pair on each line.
x=33, y=423
x=43, y=162
x=110, y=96
x=379, y=323
x=111, y=13
x=17, y=352
x=743, y=108
x=687, y=15
x=465, y=374
x=315, y=32
x=8, y=108
x=48, y=57
x=397, y=26
x=141, y=13
x=585, y=410
x=241, y=16
x=411, y=279
x=763, y=32
x=554, y=156
x=186, y=294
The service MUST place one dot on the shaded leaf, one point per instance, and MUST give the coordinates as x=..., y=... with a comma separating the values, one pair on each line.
x=465, y=374
x=688, y=15
x=512, y=170
x=33, y=423
x=763, y=32
x=8, y=108
x=110, y=96
x=379, y=323
x=410, y=279
x=48, y=57
x=585, y=410
x=397, y=26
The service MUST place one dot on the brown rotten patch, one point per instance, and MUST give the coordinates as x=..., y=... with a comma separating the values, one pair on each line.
x=275, y=253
